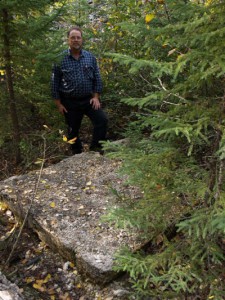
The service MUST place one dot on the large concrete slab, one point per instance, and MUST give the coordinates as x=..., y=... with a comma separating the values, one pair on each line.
x=66, y=204
x=8, y=290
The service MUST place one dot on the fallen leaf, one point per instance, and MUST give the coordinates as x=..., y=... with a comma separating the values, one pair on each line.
x=39, y=287
x=47, y=278
x=39, y=161
x=65, y=138
x=29, y=279
x=172, y=51
x=51, y=291
x=64, y=297
x=52, y=204
x=149, y=18
x=72, y=141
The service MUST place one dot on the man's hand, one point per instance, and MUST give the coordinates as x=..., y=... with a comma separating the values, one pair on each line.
x=95, y=103
x=61, y=108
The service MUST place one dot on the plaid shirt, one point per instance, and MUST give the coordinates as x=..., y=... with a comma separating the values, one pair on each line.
x=75, y=77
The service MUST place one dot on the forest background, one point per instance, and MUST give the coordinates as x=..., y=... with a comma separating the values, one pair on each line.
x=163, y=65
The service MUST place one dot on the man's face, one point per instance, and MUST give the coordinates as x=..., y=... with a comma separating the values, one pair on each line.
x=75, y=40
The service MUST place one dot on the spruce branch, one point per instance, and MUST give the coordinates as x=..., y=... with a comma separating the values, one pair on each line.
x=176, y=95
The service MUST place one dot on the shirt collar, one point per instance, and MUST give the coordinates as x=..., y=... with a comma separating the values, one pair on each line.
x=81, y=52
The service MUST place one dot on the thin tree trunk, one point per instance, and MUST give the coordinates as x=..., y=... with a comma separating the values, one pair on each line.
x=10, y=88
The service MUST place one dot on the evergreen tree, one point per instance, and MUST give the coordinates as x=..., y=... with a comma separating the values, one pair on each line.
x=176, y=152
x=23, y=46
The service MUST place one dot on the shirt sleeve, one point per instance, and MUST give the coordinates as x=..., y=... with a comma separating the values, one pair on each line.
x=97, y=83
x=55, y=81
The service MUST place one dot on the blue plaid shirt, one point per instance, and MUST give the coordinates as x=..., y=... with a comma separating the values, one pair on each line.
x=75, y=77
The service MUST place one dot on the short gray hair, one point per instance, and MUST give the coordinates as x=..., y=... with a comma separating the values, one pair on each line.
x=77, y=28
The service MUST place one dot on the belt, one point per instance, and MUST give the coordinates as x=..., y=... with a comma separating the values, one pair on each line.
x=74, y=98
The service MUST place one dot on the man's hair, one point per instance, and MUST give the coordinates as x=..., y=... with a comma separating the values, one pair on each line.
x=77, y=28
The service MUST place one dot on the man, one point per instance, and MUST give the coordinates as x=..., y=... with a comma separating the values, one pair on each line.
x=76, y=88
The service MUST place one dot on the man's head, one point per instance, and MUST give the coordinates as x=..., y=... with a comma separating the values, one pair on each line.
x=75, y=39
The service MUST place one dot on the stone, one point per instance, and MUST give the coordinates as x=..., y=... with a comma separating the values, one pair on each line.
x=8, y=290
x=65, y=204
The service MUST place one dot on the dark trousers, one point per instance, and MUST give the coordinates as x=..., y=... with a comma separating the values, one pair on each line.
x=76, y=111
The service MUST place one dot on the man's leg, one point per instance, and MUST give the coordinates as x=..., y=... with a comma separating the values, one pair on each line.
x=73, y=119
x=100, y=121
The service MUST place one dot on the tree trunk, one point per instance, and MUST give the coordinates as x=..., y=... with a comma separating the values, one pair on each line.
x=10, y=88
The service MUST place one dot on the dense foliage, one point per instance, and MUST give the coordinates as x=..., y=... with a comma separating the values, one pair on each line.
x=175, y=151
x=26, y=47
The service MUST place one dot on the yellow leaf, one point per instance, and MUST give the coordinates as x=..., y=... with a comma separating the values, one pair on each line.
x=39, y=161
x=64, y=138
x=149, y=18
x=52, y=204
x=47, y=278
x=39, y=282
x=88, y=183
x=72, y=141
x=38, y=287
x=29, y=279
x=3, y=206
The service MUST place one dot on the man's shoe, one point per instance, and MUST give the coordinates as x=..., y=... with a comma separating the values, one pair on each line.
x=96, y=149
x=76, y=151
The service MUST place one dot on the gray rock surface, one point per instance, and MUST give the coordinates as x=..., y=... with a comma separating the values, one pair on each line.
x=66, y=204
x=8, y=290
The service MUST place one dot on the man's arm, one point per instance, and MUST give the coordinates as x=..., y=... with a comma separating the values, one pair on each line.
x=55, y=84
x=55, y=81
x=97, y=86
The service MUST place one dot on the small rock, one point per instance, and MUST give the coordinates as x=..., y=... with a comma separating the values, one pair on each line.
x=65, y=266
x=83, y=298
x=8, y=213
x=5, y=295
x=120, y=293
